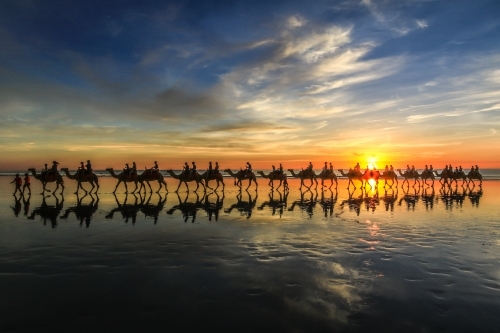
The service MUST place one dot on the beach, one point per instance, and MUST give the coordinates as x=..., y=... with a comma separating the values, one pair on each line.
x=319, y=260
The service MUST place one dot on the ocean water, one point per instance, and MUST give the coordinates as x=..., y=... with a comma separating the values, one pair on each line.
x=318, y=260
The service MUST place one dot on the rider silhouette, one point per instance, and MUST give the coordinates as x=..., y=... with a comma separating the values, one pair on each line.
x=216, y=170
x=88, y=168
x=193, y=169
x=248, y=169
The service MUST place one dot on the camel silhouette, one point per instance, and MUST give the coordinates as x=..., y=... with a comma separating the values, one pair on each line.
x=49, y=179
x=186, y=179
x=83, y=178
x=275, y=204
x=272, y=176
x=305, y=174
x=124, y=178
x=207, y=176
x=242, y=175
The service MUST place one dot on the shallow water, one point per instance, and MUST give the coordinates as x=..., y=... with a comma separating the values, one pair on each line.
x=313, y=261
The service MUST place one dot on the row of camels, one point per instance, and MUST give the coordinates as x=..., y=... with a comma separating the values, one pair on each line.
x=368, y=177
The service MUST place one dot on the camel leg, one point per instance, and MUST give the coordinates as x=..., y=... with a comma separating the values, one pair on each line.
x=117, y=187
x=150, y=188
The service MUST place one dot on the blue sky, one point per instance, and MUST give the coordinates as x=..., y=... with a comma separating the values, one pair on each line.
x=268, y=81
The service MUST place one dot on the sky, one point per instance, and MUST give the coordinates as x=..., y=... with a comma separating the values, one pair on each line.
x=377, y=82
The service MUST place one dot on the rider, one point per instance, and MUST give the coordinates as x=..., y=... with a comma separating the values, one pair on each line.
x=331, y=168
x=274, y=170
x=280, y=170
x=133, y=170
x=155, y=167
x=88, y=168
x=325, y=169
x=391, y=168
x=81, y=169
x=45, y=169
x=53, y=170
x=186, y=169
x=193, y=169
x=476, y=170
x=386, y=170
x=216, y=169
x=248, y=169
x=210, y=169
x=126, y=170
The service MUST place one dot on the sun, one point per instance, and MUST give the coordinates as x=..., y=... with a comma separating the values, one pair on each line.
x=372, y=163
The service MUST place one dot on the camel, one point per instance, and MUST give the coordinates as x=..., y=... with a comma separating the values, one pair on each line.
x=475, y=175
x=389, y=175
x=213, y=176
x=122, y=177
x=50, y=179
x=92, y=178
x=327, y=174
x=185, y=179
x=443, y=175
x=83, y=212
x=244, y=207
x=242, y=175
x=304, y=174
x=272, y=176
x=150, y=175
x=362, y=177
x=425, y=175
x=410, y=175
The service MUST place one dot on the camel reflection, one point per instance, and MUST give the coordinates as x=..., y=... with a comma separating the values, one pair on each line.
x=353, y=202
x=244, y=207
x=306, y=205
x=428, y=197
x=328, y=203
x=127, y=210
x=409, y=198
x=48, y=212
x=83, y=212
x=474, y=196
x=371, y=201
x=276, y=204
x=153, y=210
x=390, y=198
x=188, y=209
x=452, y=197
x=213, y=208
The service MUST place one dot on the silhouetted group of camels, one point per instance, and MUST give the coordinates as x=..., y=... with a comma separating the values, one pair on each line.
x=368, y=177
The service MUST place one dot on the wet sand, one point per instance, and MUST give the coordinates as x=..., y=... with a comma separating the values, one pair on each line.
x=313, y=261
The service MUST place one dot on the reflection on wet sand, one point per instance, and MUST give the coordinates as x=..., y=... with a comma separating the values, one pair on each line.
x=276, y=204
x=47, y=211
x=306, y=204
x=83, y=211
x=366, y=260
x=128, y=211
x=245, y=207
x=189, y=209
